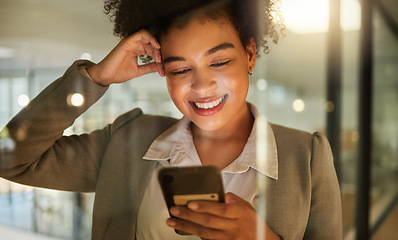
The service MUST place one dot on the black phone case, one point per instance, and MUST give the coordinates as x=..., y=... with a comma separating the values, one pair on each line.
x=190, y=183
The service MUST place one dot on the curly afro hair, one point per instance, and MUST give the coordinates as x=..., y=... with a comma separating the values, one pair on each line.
x=257, y=19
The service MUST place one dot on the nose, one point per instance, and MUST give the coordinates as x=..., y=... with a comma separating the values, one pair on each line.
x=203, y=83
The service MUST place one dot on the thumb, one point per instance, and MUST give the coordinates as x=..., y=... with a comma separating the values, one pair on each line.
x=231, y=198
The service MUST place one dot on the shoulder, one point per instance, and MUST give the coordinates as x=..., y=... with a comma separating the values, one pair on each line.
x=302, y=147
x=138, y=121
x=286, y=133
x=297, y=138
x=291, y=141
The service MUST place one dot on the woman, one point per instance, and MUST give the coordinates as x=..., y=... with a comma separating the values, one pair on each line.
x=206, y=58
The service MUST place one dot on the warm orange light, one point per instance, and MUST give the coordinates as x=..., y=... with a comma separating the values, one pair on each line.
x=312, y=16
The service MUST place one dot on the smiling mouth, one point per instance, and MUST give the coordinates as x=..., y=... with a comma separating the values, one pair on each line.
x=209, y=105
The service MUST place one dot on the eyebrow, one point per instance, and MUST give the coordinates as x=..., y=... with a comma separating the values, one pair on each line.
x=217, y=48
x=222, y=46
x=173, y=59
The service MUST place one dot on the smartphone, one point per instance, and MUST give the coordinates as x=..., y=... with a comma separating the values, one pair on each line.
x=183, y=184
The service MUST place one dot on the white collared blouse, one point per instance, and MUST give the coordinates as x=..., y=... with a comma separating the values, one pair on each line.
x=175, y=147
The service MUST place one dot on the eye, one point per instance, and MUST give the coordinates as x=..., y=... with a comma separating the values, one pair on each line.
x=175, y=73
x=219, y=64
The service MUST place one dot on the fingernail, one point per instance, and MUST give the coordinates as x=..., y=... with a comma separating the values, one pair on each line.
x=193, y=206
x=170, y=222
x=175, y=211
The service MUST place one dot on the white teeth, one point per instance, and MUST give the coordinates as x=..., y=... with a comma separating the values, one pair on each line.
x=209, y=104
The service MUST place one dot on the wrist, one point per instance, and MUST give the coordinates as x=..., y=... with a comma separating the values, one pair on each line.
x=93, y=72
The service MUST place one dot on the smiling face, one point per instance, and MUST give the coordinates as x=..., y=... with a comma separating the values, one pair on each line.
x=206, y=68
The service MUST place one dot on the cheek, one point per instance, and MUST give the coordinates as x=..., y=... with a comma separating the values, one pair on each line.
x=177, y=89
x=237, y=81
x=241, y=80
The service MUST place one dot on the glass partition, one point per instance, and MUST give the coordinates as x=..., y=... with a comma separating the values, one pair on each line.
x=384, y=168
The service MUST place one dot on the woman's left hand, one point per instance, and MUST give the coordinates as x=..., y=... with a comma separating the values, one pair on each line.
x=234, y=219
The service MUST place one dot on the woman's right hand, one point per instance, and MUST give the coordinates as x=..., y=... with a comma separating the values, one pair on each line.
x=121, y=64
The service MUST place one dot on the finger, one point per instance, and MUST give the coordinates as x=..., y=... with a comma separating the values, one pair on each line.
x=231, y=211
x=232, y=198
x=160, y=69
x=149, y=50
x=141, y=38
x=203, y=219
x=196, y=229
x=147, y=37
x=147, y=68
x=157, y=55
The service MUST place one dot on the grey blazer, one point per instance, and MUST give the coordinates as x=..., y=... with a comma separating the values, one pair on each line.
x=304, y=203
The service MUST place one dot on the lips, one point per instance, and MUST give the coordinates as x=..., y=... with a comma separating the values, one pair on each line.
x=208, y=107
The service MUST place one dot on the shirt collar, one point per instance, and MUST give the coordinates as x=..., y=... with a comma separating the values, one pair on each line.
x=176, y=144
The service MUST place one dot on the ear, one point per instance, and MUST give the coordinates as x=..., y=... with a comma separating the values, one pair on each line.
x=251, y=51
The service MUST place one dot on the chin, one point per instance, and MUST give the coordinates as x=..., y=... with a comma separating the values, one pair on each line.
x=207, y=124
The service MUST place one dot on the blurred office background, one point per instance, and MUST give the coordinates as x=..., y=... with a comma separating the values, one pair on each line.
x=310, y=80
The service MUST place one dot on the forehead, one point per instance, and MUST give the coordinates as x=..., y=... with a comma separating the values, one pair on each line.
x=199, y=34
